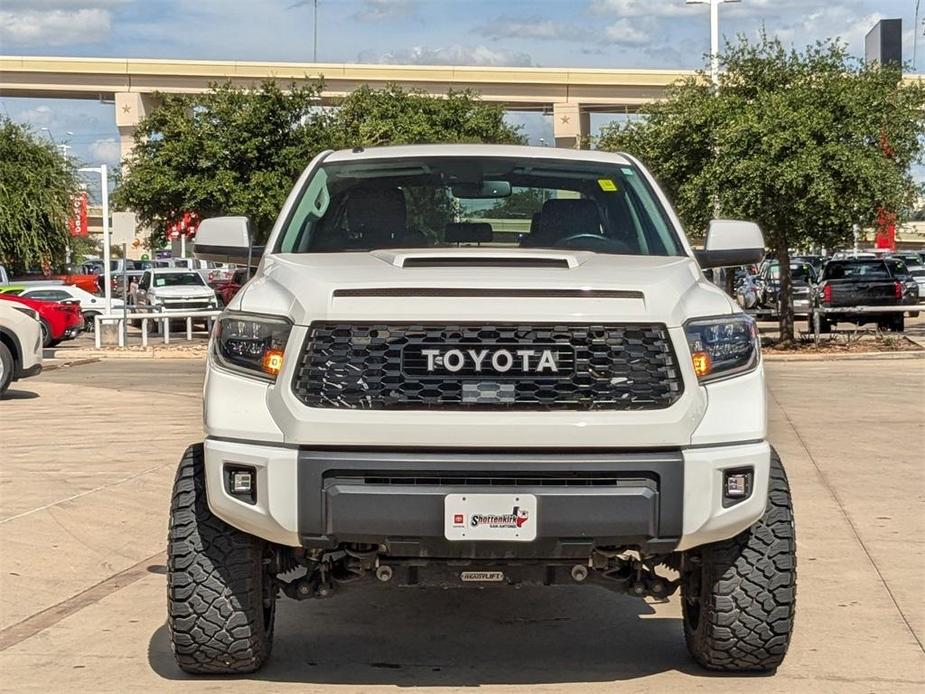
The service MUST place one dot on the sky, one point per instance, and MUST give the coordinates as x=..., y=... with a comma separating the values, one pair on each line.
x=553, y=33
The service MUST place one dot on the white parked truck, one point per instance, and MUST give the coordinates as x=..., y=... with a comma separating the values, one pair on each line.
x=482, y=366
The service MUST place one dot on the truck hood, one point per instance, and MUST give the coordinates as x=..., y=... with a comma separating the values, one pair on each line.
x=481, y=284
x=183, y=292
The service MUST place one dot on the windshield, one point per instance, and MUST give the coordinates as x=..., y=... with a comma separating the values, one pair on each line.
x=178, y=279
x=478, y=201
x=837, y=270
x=798, y=272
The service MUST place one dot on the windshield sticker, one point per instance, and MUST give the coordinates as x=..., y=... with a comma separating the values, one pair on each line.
x=607, y=185
x=627, y=172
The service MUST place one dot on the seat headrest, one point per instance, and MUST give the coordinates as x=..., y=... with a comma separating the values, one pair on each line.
x=377, y=214
x=561, y=218
x=468, y=232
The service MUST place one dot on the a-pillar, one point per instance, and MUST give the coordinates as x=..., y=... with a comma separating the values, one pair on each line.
x=131, y=108
x=571, y=126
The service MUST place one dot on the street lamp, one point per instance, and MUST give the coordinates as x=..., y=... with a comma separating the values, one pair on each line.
x=714, y=36
x=107, y=272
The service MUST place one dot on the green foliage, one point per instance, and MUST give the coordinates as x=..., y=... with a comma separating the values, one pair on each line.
x=394, y=116
x=806, y=143
x=37, y=185
x=229, y=151
x=521, y=204
x=238, y=151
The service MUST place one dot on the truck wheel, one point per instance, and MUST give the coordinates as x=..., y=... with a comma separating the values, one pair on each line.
x=6, y=368
x=221, y=600
x=740, y=594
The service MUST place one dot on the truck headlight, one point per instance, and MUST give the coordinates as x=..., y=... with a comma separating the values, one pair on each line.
x=251, y=344
x=723, y=347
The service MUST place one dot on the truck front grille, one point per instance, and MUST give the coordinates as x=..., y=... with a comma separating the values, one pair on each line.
x=382, y=366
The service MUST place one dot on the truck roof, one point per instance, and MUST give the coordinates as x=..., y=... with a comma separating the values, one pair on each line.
x=508, y=151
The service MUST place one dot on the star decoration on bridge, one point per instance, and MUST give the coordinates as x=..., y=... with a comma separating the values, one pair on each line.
x=564, y=119
x=126, y=108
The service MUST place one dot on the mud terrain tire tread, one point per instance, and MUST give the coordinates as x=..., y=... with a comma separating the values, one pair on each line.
x=220, y=613
x=747, y=590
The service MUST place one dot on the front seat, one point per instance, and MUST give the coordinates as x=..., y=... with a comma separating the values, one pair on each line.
x=562, y=218
x=376, y=216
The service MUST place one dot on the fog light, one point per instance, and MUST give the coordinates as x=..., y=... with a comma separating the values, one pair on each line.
x=241, y=483
x=737, y=485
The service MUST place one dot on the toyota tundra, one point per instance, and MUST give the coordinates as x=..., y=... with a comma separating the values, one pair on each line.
x=478, y=365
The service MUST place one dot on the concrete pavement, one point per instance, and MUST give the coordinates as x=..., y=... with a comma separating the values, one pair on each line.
x=88, y=459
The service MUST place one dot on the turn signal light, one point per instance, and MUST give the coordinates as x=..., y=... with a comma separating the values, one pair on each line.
x=702, y=363
x=272, y=361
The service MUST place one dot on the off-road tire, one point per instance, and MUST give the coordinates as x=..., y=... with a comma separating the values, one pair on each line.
x=739, y=595
x=221, y=601
x=6, y=368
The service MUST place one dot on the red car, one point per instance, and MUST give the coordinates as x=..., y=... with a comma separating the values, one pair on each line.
x=60, y=320
x=225, y=290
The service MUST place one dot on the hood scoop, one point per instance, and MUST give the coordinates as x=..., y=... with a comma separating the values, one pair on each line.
x=485, y=261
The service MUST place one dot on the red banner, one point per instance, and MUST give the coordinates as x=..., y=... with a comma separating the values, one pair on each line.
x=185, y=225
x=77, y=224
x=885, y=237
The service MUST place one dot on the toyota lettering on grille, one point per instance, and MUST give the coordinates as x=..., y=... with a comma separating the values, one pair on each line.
x=476, y=361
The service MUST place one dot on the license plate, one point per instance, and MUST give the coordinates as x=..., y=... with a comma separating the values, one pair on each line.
x=499, y=517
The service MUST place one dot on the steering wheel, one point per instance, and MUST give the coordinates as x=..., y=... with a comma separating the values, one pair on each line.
x=584, y=235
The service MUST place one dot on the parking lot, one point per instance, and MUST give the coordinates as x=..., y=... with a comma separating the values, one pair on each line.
x=88, y=459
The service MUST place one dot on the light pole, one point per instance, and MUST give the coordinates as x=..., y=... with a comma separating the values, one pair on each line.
x=315, y=27
x=107, y=272
x=714, y=36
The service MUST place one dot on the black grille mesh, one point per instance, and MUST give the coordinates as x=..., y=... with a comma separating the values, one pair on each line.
x=610, y=367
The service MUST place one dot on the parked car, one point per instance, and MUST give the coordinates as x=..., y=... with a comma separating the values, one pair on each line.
x=226, y=289
x=900, y=271
x=59, y=320
x=90, y=304
x=802, y=279
x=174, y=289
x=20, y=343
x=861, y=282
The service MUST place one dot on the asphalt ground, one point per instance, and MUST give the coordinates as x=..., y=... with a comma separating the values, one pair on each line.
x=87, y=457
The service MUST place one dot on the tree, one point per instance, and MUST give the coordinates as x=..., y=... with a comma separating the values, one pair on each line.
x=37, y=186
x=238, y=151
x=229, y=151
x=520, y=204
x=806, y=143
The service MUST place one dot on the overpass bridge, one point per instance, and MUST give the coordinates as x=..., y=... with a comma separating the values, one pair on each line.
x=569, y=94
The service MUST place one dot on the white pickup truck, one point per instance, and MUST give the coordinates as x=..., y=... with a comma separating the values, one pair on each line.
x=481, y=366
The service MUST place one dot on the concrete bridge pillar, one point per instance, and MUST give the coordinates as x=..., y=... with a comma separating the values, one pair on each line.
x=131, y=108
x=571, y=126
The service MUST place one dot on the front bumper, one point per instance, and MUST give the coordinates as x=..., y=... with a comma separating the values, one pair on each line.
x=659, y=501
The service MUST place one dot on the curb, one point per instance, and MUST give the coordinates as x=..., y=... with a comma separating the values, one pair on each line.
x=149, y=353
x=856, y=356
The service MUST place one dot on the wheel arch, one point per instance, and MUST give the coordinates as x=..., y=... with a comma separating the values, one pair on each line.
x=9, y=338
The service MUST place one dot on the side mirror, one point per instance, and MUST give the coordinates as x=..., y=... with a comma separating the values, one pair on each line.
x=224, y=239
x=730, y=243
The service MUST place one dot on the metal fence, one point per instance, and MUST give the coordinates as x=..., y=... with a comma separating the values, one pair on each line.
x=149, y=317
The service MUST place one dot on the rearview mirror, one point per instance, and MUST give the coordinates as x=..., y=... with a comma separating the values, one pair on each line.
x=730, y=243
x=485, y=189
x=224, y=239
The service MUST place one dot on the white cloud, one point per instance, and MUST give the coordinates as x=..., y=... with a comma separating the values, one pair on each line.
x=641, y=8
x=379, y=10
x=536, y=28
x=58, y=23
x=449, y=55
x=623, y=32
x=105, y=151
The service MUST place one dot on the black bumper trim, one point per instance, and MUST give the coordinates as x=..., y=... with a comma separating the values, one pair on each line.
x=396, y=499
